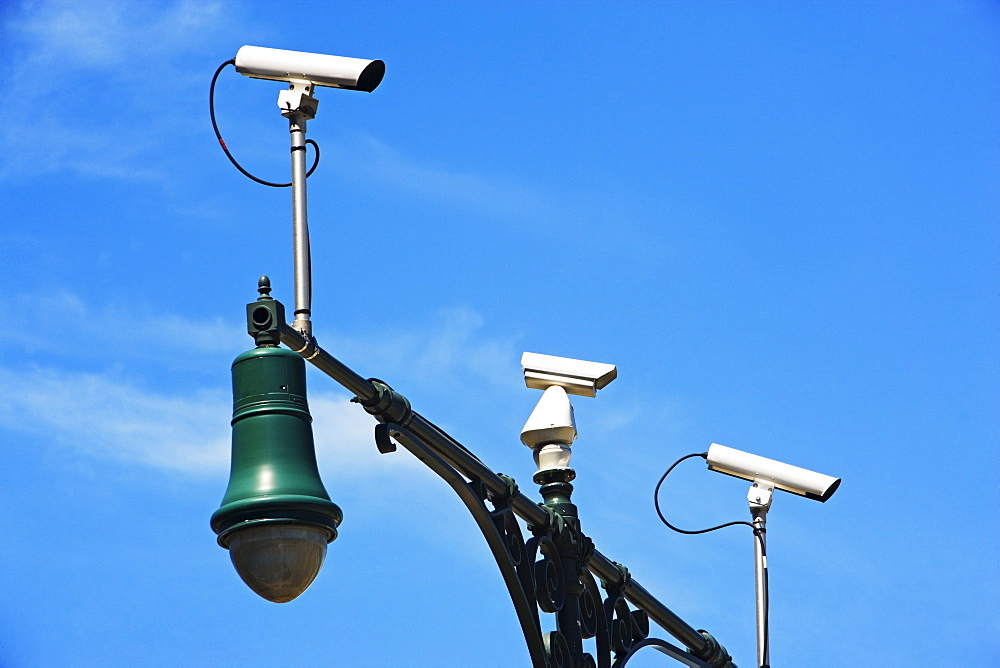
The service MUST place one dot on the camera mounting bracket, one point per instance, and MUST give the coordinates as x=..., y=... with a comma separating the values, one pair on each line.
x=297, y=99
x=760, y=494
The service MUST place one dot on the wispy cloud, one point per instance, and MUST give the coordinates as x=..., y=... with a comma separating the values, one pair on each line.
x=345, y=440
x=105, y=35
x=454, y=342
x=492, y=196
x=107, y=72
x=104, y=416
x=109, y=417
x=138, y=391
x=485, y=194
x=126, y=403
x=62, y=319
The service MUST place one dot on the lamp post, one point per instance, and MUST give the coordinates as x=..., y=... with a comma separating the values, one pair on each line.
x=276, y=518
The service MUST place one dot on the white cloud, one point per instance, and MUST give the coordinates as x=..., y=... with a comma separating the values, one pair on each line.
x=102, y=80
x=517, y=199
x=74, y=34
x=106, y=416
x=124, y=332
x=87, y=151
x=109, y=417
x=494, y=197
x=454, y=343
x=112, y=413
x=345, y=441
x=68, y=35
x=132, y=401
x=510, y=201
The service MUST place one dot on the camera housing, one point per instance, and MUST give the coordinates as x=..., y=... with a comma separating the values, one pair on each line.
x=575, y=376
x=754, y=468
x=322, y=70
x=552, y=421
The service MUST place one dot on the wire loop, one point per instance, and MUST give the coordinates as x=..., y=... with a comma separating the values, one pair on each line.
x=758, y=533
x=218, y=135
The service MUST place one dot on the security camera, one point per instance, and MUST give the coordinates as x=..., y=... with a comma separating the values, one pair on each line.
x=790, y=478
x=333, y=71
x=551, y=430
x=575, y=376
x=552, y=421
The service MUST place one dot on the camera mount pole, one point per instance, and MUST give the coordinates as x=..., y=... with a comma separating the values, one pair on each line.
x=298, y=105
x=759, y=497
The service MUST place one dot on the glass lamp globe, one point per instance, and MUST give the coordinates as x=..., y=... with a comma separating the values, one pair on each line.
x=278, y=561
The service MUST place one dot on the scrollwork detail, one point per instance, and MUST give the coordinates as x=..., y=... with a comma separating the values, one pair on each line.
x=557, y=650
x=589, y=611
x=621, y=626
x=550, y=587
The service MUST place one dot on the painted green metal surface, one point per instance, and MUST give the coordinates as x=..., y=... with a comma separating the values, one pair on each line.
x=273, y=477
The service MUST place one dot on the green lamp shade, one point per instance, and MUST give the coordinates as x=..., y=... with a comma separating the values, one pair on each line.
x=276, y=517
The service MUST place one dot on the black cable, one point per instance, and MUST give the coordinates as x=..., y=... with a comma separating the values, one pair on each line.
x=218, y=135
x=757, y=532
x=656, y=501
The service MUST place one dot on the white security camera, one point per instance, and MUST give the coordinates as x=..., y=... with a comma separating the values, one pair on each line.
x=552, y=421
x=575, y=376
x=790, y=478
x=333, y=71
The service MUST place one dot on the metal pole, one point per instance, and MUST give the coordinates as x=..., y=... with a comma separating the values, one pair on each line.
x=300, y=226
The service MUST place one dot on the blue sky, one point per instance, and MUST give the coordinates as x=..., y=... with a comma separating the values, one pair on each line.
x=778, y=219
